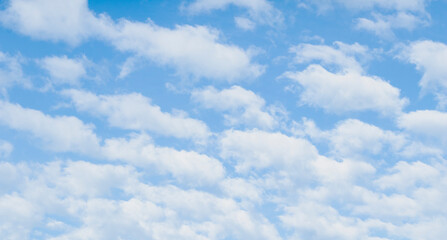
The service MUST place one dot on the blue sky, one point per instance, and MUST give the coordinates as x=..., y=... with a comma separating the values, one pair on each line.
x=223, y=119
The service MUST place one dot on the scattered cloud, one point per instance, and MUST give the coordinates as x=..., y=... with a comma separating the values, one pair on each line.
x=60, y=133
x=11, y=72
x=187, y=167
x=429, y=124
x=63, y=70
x=193, y=51
x=135, y=112
x=346, y=92
x=241, y=106
x=5, y=149
x=260, y=11
x=428, y=56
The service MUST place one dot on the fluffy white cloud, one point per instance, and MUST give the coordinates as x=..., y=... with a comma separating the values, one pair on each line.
x=354, y=138
x=11, y=72
x=346, y=87
x=134, y=111
x=70, y=21
x=385, y=15
x=63, y=70
x=62, y=193
x=262, y=11
x=60, y=133
x=244, y=23
x=345, y=92
x=404, y=176
x=241, y=188
x=242, y=106
x=258, y=150
x=188, y=167
x=383, y=25
x=17, y=217
x=343, y=56
x=193, y=51
x=331, y=171
x=5, y=149
x=316, y=221
x=430, y=124
x=398, y=5
x=429, y=56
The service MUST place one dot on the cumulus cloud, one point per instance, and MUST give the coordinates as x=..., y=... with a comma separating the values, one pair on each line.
x=342, y=56
x=406, y=176
x=11, y=72
x=383, y=25
x=193, y=51
x=347, y=92
x=428, y=124
x=71, y=21
x=188, y=167
x=346, y=88
x=244, y=23
x=386, y=16
x=241, y=106
x=353, y=138
x=261, y=11
x=398, y=5
x=63, y=70
x=60, y=193
x=5, y=149
x=429, y=56
x=319, y=221
x=60, y=133
x=135, y=112
x=258, y=150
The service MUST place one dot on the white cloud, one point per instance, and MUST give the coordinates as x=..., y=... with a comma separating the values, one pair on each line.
x=404, y=176
x=244, y=23
x=187, y=167
x=91, y=180
x=11, y=72
x=316, y=221
x=241, y=106
x=241, y=188
x=134, y=111
x=5, y=149
x=258, y=150
x=348, y=170
x=60, y=133
x=17, y=217
x=429, y=124
x=261, y=11
x=398, y=5
x=386, y=16
x=383, y=25
x=429, y=56
x=129, y=65
x=352, y=137
x=347, y=92
x=63, y=70
x=66, y=201
x=342, y=55
x=70, y=21
x=346, y=87
x=193, y=51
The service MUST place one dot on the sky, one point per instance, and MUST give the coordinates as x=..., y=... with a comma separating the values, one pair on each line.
x=223, y=119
